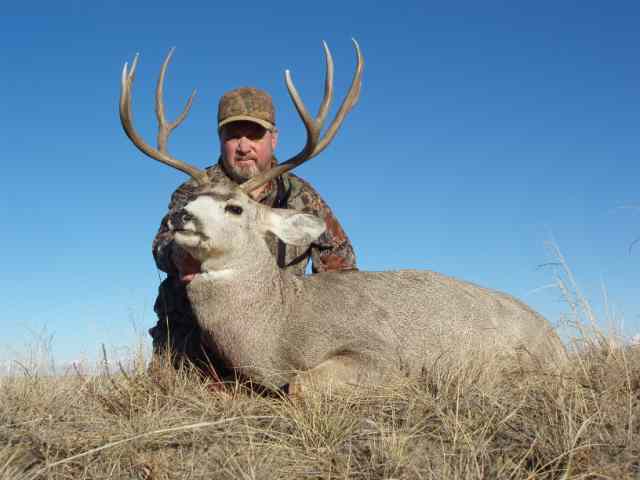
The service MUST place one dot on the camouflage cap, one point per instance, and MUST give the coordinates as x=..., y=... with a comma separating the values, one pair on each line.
x=249, y=104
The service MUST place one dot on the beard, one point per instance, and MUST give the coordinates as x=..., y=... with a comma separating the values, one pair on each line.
x=245, y=172
x=240, y=173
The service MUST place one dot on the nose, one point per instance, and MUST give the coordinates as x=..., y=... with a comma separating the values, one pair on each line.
x=244, y=145
x=178, y=220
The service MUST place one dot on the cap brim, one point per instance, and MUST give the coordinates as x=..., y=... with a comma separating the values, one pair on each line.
x=245, y=118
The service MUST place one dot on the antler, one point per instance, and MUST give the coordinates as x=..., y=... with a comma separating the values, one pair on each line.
x=164, y=128
x=314, y=144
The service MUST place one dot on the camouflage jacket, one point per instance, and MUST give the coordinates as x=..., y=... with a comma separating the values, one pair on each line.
x=332, y=251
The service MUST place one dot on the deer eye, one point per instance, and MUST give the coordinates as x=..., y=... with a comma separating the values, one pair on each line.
x=235, y=209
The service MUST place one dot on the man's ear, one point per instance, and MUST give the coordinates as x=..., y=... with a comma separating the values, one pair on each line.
x=293, y=227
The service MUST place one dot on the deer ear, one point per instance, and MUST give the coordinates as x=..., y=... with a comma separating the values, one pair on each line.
x=293, y=227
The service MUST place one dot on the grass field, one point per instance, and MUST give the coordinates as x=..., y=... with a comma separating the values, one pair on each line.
x=479, y=419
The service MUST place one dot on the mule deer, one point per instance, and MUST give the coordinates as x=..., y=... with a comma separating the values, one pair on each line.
x=333, y=328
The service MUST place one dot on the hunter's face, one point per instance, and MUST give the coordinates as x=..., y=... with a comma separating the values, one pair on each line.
x=247, y=148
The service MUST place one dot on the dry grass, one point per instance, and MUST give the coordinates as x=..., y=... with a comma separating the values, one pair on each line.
x=479, y=419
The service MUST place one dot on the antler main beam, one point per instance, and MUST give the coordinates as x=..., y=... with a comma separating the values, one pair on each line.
x=164, y=127
x=315, y=143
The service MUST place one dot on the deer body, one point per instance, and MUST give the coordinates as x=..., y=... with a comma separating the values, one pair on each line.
x=276, y=328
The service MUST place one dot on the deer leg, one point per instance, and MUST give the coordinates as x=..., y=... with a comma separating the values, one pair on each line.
x=335, y=373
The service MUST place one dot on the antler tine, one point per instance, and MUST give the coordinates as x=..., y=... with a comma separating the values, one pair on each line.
x=313, y=126
x=328, y=86
x=349, y=102
x=314, y=144
x=126, y=119
x=165, y=128
x=310, y=124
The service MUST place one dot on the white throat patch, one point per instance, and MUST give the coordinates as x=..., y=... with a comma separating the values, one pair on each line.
x=214, y=275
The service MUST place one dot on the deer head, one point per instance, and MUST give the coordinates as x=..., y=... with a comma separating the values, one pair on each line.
x=222, y=226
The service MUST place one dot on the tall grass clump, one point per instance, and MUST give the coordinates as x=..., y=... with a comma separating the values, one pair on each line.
x=485, y=417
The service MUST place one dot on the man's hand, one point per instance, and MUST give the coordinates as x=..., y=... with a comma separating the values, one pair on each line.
x=186, y=265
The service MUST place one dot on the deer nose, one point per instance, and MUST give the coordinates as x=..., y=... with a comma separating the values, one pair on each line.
x=178, y=220
x=186, y=216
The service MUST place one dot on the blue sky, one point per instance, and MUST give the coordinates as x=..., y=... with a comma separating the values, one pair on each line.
x=484, y=130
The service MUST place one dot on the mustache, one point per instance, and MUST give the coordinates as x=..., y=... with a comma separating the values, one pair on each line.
x=245, y=158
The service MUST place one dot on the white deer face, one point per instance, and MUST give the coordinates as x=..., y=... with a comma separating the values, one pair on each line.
x=226, y=224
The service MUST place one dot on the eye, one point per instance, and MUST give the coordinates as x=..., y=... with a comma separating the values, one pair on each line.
x=235, y=209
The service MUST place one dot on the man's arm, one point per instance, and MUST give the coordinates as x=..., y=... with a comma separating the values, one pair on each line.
x=333, y=250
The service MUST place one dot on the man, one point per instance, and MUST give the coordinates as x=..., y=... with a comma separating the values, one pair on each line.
x=248, y=138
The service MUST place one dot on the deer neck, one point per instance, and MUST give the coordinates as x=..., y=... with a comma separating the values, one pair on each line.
x=239, y=291
x=241, y=312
